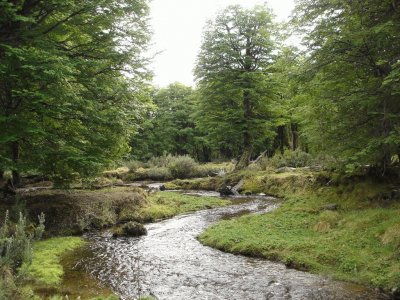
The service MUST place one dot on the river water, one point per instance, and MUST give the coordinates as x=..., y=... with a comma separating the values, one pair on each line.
x=170, y=263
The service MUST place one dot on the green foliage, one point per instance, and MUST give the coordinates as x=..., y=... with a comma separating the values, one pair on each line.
x=350, y=87
x=170, y=126
x=182, y=167
x=15, y=243
x=289, y=158
x=16, y=256
x=169, y=167
x=46, y=266
x=236, y=92
x=67, y=107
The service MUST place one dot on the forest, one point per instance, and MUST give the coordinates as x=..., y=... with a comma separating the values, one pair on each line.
x=300, y=117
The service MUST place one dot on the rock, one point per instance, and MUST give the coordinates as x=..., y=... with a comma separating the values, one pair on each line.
x=330, y=206
x=261, y=194
x=130, y=229
x=162, y=187
x=396, y=293
x=225, y=190
x=285, y=170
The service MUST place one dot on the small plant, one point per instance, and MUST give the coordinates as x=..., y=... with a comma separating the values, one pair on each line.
x=182, y=166
x=16, y=255
x=130, y=229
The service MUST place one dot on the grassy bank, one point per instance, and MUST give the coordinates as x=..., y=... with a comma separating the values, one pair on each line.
x=46, y=265
x=358, y=242
x=52, y=277
x=168, y=204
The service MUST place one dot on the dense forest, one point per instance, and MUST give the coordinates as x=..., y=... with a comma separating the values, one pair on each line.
x=76, y=97
x=321, y=91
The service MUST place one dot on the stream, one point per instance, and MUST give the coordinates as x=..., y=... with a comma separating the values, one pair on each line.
x=170, y=263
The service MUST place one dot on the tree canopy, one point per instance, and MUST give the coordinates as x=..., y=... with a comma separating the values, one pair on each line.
x=234, y=75
x=351, y=78
x=72, y=81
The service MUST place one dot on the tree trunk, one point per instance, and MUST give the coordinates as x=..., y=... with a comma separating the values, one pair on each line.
x=244, y=160
x=295, y=136
x=281, y=138
x=16, y=178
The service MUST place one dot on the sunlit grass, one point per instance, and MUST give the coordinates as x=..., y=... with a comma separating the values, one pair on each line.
x=168, y=204
x=46, y=266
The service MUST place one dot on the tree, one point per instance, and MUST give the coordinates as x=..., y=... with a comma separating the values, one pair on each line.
x=72, y=82
x=352, y=79
x=169, y=127
x=233, y=71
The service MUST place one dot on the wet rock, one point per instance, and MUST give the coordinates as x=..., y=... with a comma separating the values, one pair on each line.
x=225, y=190
x=331, y=206
x=162, y=187
x=130, y=229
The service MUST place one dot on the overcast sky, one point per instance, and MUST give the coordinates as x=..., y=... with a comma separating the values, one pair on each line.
x=178, y=25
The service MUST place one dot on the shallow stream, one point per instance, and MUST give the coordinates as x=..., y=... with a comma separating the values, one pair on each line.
x=170, y=263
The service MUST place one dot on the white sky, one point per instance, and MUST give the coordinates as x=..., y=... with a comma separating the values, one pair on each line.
x=177, y=32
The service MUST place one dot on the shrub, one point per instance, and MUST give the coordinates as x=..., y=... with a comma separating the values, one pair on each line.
x=130, y=229
x=295, y=159
x=182, y=166
x=16, y=256
x=161, y=161
x=133, y=165
x=15, y=243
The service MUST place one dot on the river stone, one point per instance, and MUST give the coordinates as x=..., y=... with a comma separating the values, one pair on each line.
x=225, y=190
x=130, y=229
x=162, y=187
x=285, y=170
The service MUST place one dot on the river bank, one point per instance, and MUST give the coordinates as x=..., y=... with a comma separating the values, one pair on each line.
x=347, y=229
x=53, y=270
x=322, y=226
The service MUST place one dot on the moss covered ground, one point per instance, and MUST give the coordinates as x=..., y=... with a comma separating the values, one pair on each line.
x=168, y=204
x=358, y=242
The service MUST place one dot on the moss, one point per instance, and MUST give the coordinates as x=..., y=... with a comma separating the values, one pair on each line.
x=46, y=264
x=359, y=242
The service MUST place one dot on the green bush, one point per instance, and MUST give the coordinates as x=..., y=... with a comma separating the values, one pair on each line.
x=15, y=243
x=161, y=161
x=153, y=173
x=294, y=159
x=182, y=166
x=16, y=256
x=133, y=165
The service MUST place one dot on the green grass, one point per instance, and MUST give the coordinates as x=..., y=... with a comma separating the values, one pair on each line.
x=359, y=243
x=168, y=204
x=46, y=265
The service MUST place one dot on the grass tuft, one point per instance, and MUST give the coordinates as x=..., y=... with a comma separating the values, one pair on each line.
x=46, y=265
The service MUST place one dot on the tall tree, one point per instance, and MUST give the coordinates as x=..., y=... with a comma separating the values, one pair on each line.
x=169, y=126
x=233, y=72
x=71, y=83
x=352, y=77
